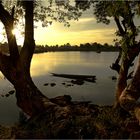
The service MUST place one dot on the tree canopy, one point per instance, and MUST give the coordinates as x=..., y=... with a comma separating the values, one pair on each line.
x=45, y=12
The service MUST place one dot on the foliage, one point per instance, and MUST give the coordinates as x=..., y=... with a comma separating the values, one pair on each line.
x=60, y=11
x=123, y=12
x=44, y=11
x=97, y=47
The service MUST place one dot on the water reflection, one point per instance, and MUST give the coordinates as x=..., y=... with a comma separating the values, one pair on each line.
x=101, y=92
x=76, y=63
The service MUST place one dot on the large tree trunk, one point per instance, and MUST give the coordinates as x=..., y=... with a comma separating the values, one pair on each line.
x=129, y=97
x=132, y=48
x=123, y=73
x=29, y=98
x=122, y=80
x=16, y=67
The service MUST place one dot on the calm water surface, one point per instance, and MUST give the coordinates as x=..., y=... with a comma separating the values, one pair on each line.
x=90, y=63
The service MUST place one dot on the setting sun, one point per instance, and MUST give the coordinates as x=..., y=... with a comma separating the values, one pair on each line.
x=18, y=35
x=16, y=32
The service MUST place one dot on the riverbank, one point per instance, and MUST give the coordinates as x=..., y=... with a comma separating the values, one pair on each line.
x=96, y=47
x=84, y=121
x=37, y=51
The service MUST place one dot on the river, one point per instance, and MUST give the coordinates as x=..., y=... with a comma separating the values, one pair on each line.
x=88, y=63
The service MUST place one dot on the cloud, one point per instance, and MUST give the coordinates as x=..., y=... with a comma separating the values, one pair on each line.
x=52, y=37
x=86, y=20
x=86, y=29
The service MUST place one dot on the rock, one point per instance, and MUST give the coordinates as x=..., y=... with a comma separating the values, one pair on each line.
x=2, y=95
x=62, y=100
x=53, y=84
x=11, y=92
x=46, y=84
x=68, y=85
x=7, y=95
x=114, y=78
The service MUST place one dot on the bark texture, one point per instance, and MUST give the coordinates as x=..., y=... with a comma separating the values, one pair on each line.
x=123, y=73
x=130, y=95
x=130, y=49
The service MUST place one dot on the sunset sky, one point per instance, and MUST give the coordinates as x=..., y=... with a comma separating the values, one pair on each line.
x=85, y=30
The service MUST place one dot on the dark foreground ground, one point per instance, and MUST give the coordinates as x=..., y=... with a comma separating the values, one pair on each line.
x=86, y=121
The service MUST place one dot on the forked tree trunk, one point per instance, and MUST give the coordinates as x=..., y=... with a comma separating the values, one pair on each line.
x=16, y=67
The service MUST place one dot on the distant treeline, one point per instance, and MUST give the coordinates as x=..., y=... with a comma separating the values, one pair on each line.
x=97, y=47
x=82, y=47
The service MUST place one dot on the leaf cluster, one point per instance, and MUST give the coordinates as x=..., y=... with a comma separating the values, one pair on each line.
x=123, y=13
x=60, y=11
x=45, y=11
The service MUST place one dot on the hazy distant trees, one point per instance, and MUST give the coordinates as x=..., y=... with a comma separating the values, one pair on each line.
x=97, y=47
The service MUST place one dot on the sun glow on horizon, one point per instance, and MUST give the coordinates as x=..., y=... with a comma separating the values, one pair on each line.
x=86, y=30
x=61, y=35
x=54, y=35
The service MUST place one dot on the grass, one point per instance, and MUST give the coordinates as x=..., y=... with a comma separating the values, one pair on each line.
x=104, y=123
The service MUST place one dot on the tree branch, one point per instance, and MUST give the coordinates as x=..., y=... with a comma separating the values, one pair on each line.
x=131, y=22
x=13, y=11
x=115, y=66
x=122, y=32
x=8, y=21
x=29, y=43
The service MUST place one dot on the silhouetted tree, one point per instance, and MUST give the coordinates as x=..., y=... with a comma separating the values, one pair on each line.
x=123, y=13
x=16, y=65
